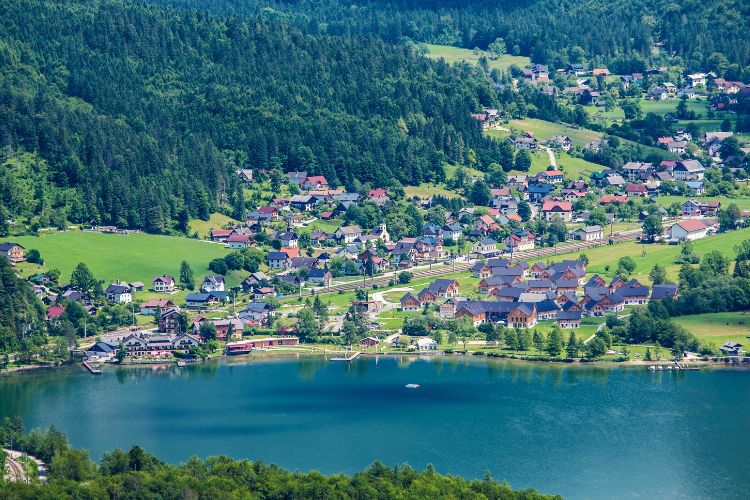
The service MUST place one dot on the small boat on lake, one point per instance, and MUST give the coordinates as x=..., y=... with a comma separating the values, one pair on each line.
x=412, y=386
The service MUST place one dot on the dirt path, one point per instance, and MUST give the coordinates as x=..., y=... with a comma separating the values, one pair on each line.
x=552, y=159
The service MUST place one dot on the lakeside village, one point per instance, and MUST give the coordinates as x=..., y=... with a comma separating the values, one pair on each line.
x=512, y=293
x=495, y=234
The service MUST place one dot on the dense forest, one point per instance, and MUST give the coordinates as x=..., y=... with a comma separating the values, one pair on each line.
x=621, y=33
x=21, y=313
x=137, y=474
x=139, y=115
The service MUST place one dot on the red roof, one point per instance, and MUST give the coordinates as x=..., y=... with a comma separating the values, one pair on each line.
x=267, y=210
x=692, y=225
x=553, y=173
x=377, y=193
x=636, y=188
x=316, y=179
x=557, y=206
x=515, y=217
x=221, y=232
x=239, y=238
x=290, y=252
x=55, y=312
x=664, y=140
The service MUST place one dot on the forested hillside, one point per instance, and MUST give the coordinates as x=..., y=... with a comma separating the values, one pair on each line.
x=141, y=114
x=620, y=33
x=21, y=313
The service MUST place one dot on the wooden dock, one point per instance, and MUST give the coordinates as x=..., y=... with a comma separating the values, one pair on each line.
x=349, y=358
x=94, y=371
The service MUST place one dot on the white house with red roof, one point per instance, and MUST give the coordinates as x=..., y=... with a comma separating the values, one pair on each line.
x=688, y=230
x=314, y=182
x=557, y=210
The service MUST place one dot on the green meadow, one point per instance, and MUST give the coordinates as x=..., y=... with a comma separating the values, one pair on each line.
x=133, y=257
x=457, y=55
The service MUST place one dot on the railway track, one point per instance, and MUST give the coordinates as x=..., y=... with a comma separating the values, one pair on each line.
x=526, y=255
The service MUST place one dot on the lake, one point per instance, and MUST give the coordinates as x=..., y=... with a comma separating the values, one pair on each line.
x=580, y=431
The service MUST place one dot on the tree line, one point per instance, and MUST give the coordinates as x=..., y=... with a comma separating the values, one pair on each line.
x=138, y=474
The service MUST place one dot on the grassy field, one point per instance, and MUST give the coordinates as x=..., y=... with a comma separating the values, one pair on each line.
x=742, y=203
x=718, y=328
x=457, y=55
x=427, y=189
x=216, y=221
x=543, y=130
x=603, y=259
x=450, y=171
x=576, y=167
x=135, y=257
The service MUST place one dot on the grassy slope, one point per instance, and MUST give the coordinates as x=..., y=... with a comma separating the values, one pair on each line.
x=543, y=130
x=216, y=221
x=718, y=328
x=456, y=55
x=135, y=257
x=742, y=203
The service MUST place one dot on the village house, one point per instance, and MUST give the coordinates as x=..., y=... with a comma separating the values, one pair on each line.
x=688, y=230
x=527, y=143
x=589, y=233
x=409, y=302
x=169, y=321
x=520, y=241
x=220, y=235
x=369, y=342
x=686, y=170
x=163, y=284
x=448, y=308
x=278, y=260
x=315, y=182
x=347, y=234
x=150, y=307
x=426, y=344
x=257, y=312
x=322, y=277
x=289, y=239
x=557, y=210
x=562, y=142
x=731, y=349
x=634, y=295
x=202, y=300
x=13, y=252
x=226, y=329
x=238, y=241
x=302, y=202
x=568, y=320
x=119, y=293
x=663, y=291
x=553, y=176
x=486, y=246
x=212, y=284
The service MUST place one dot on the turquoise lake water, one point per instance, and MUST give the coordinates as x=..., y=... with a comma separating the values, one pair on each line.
x=583, y=432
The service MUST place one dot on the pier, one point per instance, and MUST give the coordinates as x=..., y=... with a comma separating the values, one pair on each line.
x=94, y=371
x=349, y=358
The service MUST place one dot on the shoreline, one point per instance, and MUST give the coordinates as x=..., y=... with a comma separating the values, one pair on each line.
x=268, y=355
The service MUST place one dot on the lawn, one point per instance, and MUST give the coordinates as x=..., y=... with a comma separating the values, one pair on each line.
x=718, y=328
x=742, y=203
x=428, y=189
x=135, y=257
x=606, y=256
x=670, y=106
x=216, y=221
x=576, y=167
x=450, y=171
x=457, y=55
x=543, y=130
